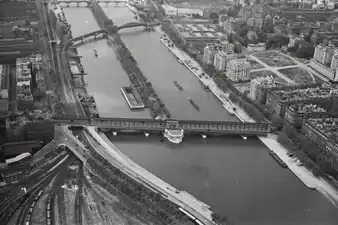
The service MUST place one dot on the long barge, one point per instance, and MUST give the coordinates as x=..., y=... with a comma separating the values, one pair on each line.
x=279, y=160
x=133, y=98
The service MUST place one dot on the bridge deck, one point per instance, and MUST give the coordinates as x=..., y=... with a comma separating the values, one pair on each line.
x=227, y=127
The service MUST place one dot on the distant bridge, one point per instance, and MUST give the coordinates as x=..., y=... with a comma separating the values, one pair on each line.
x=189, y=126
x=87, y=3
x=103, y=32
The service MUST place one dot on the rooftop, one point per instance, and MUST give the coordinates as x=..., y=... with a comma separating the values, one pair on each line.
x=307, y=108
x=303, y=94
x=17, y=8
x=267, y=81
x=327, y=126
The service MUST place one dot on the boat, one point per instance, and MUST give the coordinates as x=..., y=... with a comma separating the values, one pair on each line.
x=279, y=160
x=206, y=88
x=194, y=104
x=174, y=135
x=178, y=86
x=95, y=53
x=180, y=61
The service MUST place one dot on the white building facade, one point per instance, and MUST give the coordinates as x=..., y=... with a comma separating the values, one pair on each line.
x=238, y=70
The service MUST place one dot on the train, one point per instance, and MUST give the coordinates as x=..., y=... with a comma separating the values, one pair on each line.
x=31, y=208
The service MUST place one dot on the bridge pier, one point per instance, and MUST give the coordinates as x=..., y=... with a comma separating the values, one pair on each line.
x=146, y=134
x=204, y=136
x=114, y=133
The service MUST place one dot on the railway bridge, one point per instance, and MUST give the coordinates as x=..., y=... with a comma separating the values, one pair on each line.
x=150, y=125
x=87, y=3
x=103, y=32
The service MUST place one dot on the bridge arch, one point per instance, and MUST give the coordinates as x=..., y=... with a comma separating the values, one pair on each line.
x=95, y=35
x=74, y=3
x=87, y=3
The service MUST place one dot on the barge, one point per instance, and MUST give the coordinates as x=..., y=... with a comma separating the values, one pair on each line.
x=279, y=160
x=178, y=86
x=133, y=98
x=193, y=103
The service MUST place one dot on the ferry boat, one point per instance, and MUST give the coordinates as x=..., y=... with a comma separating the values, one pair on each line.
x=178, y=86
x=194, y=104
x=173, y=135
x=132, y=97
x=279, y=160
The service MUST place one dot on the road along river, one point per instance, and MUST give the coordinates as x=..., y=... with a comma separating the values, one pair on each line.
x=236, y=177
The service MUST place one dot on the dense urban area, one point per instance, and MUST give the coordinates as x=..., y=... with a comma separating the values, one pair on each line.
x=105, y=105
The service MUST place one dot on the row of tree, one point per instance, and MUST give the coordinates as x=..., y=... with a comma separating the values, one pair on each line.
x=313, y=156
x=143, y=86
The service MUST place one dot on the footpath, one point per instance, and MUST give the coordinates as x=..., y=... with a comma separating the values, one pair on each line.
x=305, y=175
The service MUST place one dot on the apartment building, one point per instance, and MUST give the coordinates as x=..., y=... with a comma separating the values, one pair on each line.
x=238, y=70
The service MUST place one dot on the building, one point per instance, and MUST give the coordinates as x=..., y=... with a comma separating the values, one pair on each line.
x=208, y=55
x=24, y=95
x=228, y=47
x=260, y=47
x=4, y=83
x=259, y=88
x=197, y=32
x=297, y=113
x=325, y=61
x=229, y=26
x=323, y=54
x=280, y=100
x=220, y=60
x=323, y=132
x=238, y=70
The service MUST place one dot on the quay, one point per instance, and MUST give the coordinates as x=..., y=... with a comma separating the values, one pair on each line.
x=189, y=126
x=132, y=97
x=270, y=140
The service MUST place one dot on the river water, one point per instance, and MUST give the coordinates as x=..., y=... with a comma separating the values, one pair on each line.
x=237, y=178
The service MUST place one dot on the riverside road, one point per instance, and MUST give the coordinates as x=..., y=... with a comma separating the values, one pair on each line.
x=237, y=178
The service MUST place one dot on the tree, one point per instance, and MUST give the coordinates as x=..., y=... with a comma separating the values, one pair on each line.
x=277, y=122
x=305, y=51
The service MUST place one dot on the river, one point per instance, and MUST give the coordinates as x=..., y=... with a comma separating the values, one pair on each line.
x=237, y=178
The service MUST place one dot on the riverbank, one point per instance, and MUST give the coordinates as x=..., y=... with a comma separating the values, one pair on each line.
x=183, y=199
x=271, y=142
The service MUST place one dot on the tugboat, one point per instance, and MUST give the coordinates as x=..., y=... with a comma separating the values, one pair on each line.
x=178, y=86
x=194, y=104
x=95, y=53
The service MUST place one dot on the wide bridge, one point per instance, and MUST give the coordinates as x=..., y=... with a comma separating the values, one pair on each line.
x=189, y=126
x=87, y=3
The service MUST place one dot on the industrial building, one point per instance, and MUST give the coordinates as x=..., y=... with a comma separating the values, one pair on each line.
x=197, y=32
x=238, y=70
